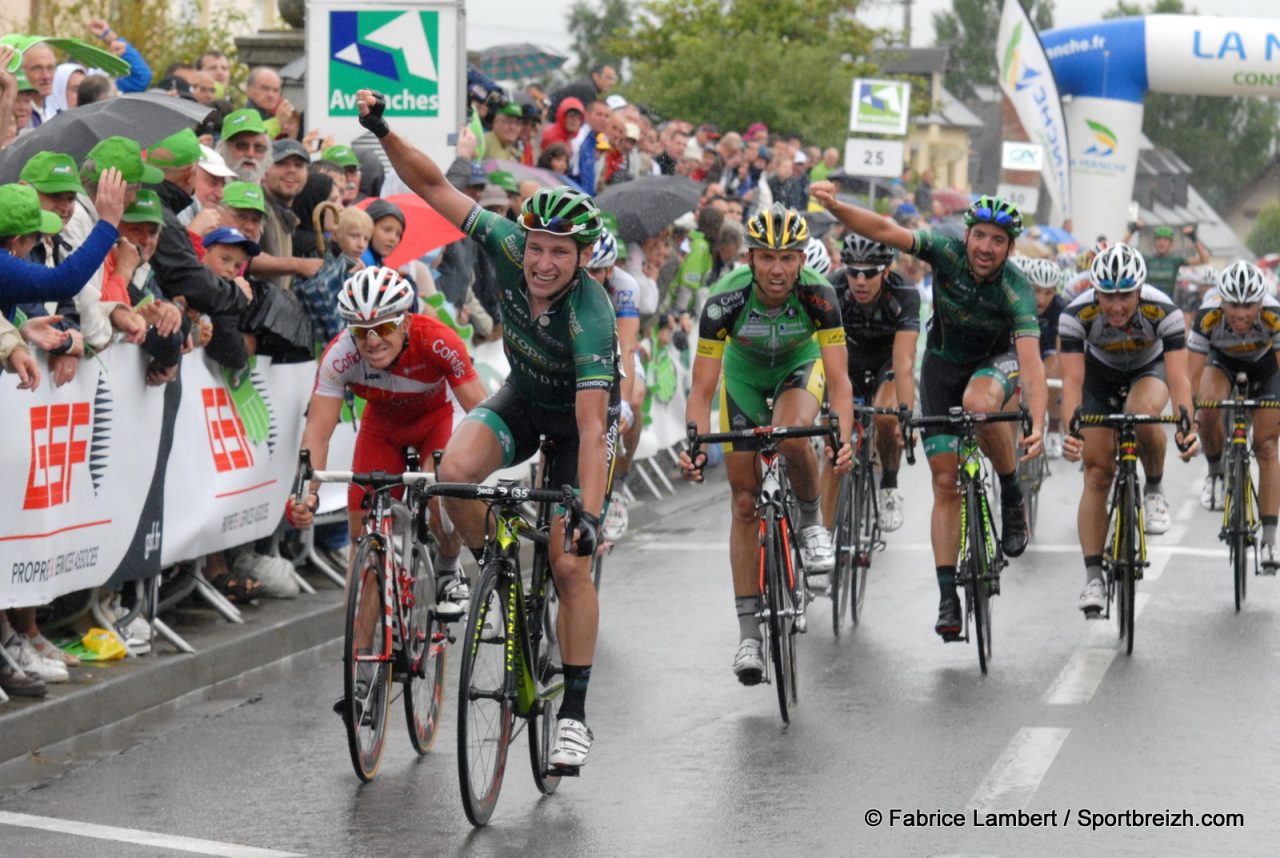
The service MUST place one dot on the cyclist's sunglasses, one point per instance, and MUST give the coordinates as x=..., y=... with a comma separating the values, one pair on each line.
x=1124, y=284
x=987, y=215
x=556, y=226
x=856, y=272
x=382, y=329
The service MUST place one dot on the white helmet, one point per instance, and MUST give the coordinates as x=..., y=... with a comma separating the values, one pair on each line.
x=1043, y=273
x=1119, y=268
x=604, y=253
x=373, y=295
x=1242, y=283
x=816, y=255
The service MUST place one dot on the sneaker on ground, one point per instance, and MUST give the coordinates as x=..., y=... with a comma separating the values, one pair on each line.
x=25, y=658
x=748, y=663
x=1157, y=513
x=1270, y=558
x=274, y=574
x=1093, y=599
x=136, y=635
x=616, y=519
x=571, y=746
x=890, y=509
x=1211, y=492
x=18, y=683
x=453, y=595
x=1053, y=445
x=949, y=624
x=1013, y=531
x=49, y=649
x=815, y=549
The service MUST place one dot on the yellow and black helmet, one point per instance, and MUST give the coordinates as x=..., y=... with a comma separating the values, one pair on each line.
x=778, y=228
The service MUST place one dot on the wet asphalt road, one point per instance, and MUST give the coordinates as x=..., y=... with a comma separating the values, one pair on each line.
x=687, y=762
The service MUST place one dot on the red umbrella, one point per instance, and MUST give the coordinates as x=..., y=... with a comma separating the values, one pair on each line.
x=425, y=229
x=954, y=199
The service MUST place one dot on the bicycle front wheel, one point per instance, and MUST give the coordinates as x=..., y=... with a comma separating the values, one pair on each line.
x=425, y=656
x=866, y=525
x=486, y=711
x=979, y=574
x=775, y=599
x=366, y=661
x=1131, y=560
x=546, y=665
x=845, y=551
x=1238, y=498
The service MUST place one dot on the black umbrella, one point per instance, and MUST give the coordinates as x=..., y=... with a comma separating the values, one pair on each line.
x=146, y=117
x=648, y=205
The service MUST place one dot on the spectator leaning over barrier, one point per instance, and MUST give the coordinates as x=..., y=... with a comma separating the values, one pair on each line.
x=282, y=183
x=16, y=358
x=244, y=207
x=211, y=179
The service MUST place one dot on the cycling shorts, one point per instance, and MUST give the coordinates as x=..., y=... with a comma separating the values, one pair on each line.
x=383, y=437
x=881, y=373
x=744, y=402
x=1103, y=385
x=1264, y=374
x=942, y=386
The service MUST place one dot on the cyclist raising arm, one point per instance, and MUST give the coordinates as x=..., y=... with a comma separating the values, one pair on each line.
x=761, y=321
x=1120, y=335
x=980, y=304
x=559, y=336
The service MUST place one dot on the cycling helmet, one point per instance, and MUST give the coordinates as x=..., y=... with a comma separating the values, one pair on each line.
x=605, y=253
x=373, y=295
x=995, y=210
x=1119, y=268
x=1242, y=283
x=562, y=211
x=1043, y=273
x=1066, y=260
x=816, y=256
x=857, y=250
x=779, y=228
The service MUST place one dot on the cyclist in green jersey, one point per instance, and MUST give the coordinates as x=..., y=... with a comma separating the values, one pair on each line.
x=1163, y=265
x=983, y=354
x=769, y=324
x=559, y=336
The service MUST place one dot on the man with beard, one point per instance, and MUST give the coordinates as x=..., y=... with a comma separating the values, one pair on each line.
x=282, y=182
x=245, y=145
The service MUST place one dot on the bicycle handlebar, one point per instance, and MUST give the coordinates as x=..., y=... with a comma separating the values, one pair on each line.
x=1117, y=421
x=696, y=441
x=514, y=494
x=956, y=417
x=1245, y=404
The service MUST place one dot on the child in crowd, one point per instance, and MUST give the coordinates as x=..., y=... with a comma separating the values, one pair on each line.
x=352, y=236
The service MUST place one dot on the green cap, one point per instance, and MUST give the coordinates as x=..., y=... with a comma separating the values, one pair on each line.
x=240, y=121
x=20, y=212
x=244, y=195
x=1163, y=232
x=175, y=151
x=145, y=209
x=126, y=156
x=504, y=180
x=512, y=109
x=341, y=155
x=52, y=173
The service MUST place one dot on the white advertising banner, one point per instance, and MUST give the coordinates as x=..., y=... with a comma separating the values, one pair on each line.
x=412, y=52
x=1104, y=156
x=1027, y=80
x=1202, y=55
x=81, y=461
x=235, y=454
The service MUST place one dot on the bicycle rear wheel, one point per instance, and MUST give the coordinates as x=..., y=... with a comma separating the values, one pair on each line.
x=424, y=653
x=486, y=711
x=366, y=661
x=546, y=664
x=774, y=601
x=845, y=551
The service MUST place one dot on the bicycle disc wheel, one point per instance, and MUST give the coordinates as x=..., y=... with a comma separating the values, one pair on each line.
x=366, y=663
x=842, y=574
x=485, y=708
x=774, y=596
x=425, y=655
x=546, y=659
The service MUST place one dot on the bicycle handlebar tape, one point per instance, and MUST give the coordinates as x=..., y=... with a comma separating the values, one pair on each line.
x=373, y=120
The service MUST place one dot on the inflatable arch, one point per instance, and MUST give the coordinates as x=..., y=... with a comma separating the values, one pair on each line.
x=1108, y=66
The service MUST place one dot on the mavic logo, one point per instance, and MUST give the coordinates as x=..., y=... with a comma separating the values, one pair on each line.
x=59, y=442
x=227, y=442
x=1104, y=139
x=1018, y=74
x=393, y=52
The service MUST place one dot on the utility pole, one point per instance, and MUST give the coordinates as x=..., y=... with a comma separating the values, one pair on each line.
x=906, y=22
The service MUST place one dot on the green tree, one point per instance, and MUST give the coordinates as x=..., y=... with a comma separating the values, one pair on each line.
x=1264, y=238
x=787, y=63
x=1202, y=129
x=593, y=27
x=970, y=32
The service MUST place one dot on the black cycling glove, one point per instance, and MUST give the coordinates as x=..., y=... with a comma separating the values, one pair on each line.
x=373, y=119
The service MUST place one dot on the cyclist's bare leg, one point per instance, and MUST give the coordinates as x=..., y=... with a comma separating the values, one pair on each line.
x=985, y=394
x=945, y=521
x=744, y=527
x=888, y=440
x=1053, y=369
x=579, y=616
x=1266, y=430
x=797, y=407
x=472, y=455
x=1213, y=385
x=1099, y=470
x=1149, y=395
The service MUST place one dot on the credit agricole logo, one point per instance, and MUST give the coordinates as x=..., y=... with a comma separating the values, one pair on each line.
x=392, y=52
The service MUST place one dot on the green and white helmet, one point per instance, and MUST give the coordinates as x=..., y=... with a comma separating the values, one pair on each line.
x=997, y=211
x=562, y=211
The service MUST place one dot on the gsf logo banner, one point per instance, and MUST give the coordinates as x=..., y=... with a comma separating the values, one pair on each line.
x=393, y=52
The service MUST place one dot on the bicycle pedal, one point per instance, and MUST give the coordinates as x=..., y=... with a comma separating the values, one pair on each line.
x=951, y=637
x=802, y=624
x=562, y=772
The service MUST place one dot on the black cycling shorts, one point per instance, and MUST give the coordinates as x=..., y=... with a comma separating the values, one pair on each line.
x=942, y=385
x=1264, y=374
x=1104, y=385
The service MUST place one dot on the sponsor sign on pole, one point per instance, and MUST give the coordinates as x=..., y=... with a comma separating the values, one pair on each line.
x=1017, y=155
x=1025, y=197
x=873, y=158
x=880, y=107
x=414, y=53
x=1026, y=78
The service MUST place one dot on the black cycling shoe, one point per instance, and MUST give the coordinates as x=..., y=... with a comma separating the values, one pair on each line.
x=1013, y=532
x=949, y=624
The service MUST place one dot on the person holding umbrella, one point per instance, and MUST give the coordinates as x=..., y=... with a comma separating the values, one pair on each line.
x=559, y=334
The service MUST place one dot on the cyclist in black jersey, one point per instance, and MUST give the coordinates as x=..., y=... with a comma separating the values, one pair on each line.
x=983, y=354
x=1046, y=278
x=559, y=335
x=881, y=316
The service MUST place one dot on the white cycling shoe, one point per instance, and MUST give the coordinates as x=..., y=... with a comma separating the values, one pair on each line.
x=1157, y=513
x=816, y=552
x=571, y=745
x=890, y=510
x=748, y=662
x=1212, y=491
x=1094, y=598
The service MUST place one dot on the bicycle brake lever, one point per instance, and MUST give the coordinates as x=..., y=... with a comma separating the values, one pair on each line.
x=304, y=474
x=572, y=507
x=1073, y=428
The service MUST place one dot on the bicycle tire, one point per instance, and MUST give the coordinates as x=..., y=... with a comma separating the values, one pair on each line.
x=597, y=567
x=542, y=722
x=486, y=710
x=867, y=527
x=366, y=684
x=1128, y=569
x=979, y=567
x=425, y=656
x=845, y=548
x=771, y=557
x=1238, y=492
x=794, y=606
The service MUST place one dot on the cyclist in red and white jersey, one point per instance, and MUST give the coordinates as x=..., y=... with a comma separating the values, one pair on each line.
x=403, y=365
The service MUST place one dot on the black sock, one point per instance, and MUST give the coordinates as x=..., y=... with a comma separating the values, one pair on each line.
x=947, y=581
x=574, y=703
x=1215, y=464
x=1010, y=494
x=888, y=479
x=1152, y=485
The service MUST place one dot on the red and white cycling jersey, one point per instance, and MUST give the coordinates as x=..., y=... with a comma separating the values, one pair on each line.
x=434, y=359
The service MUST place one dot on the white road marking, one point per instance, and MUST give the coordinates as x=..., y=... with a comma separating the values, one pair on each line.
x=142, y=838
x=1016, y=776
x=1153, y=551
x=1083, y=673
x=1188, y=509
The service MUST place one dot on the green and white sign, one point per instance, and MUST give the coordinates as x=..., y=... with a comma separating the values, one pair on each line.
x=880, y=107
